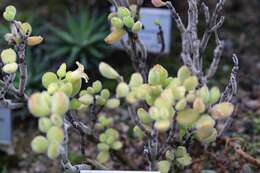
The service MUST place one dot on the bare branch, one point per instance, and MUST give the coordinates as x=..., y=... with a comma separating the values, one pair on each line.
x=231, y=88
x=64, y=152
x=176, y=17
x=206, y=13
x=218, y=25
x=214, y=64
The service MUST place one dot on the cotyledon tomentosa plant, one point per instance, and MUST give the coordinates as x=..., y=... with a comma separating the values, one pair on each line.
x=169, y=112
x=14, y=59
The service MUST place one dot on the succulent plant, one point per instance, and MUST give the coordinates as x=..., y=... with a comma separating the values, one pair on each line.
x=109, y=140
x=123, y=21
x=80, y=40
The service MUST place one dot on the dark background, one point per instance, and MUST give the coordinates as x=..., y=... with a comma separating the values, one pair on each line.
x=49, y=17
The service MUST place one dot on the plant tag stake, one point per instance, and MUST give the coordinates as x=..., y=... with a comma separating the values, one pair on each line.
x=5, y=126
x=149, y=34
x=99, y=171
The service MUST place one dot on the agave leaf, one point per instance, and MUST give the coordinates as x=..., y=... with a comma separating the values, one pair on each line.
x=94, y=39
x=95, y=52
x=59, y=52
x=72, y=25
x=65, y=36
x=73, y=55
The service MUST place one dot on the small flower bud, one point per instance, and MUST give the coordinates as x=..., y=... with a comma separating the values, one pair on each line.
x=115, y=36
x=117, y=145
x=62, y=70
x=187, y=117
x=222, y=110
x=38, y=105
x=44, y=124
x=59, y=103
x=8, y=56
x=39, y=144
x=103, y=156
x=86, y=99
x=112, y=103
x=158, y=3
x=198, y=105
x=123, y=12
x=107, y=71
x=137, y=27
x=136, y=80
x=56, y=120
x=191, y=83
x=117, y=23
x=10, y=12
x=128, y=21
x=144, y=116
x=34, y=40
x=55, y=134
x=53, y=150
x=181, y=104
x=162, y=125
x=97, y=86
x=49, y=78
x=122, y=90
x=26, y=28
x=164, y=166
x=214, y=95
x=77, y=74
x=10, y=68
x=157, y=75
x=183, y=73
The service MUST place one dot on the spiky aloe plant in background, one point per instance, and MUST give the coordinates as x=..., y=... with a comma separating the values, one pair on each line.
x=80, y=39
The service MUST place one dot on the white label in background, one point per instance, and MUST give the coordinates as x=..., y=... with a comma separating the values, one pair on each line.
x=5, y=126
x=99, y=171
x=149, y=34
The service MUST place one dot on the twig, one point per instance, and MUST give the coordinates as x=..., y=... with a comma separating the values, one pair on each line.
x=64, y=152
x=245, y=155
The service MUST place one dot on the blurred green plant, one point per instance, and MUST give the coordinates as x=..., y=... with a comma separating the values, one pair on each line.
x=4, y=170
x=82, y=39
x=34, y=55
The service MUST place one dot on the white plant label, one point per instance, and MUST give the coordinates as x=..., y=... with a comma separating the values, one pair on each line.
x=99, y=171
x=5, y=126
x=149, y=34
